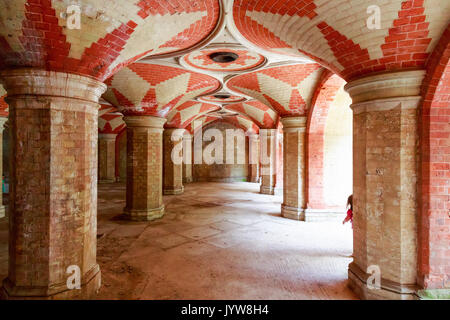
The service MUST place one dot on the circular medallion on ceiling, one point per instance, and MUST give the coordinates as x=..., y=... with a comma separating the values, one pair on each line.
x=222, y=98
x=224, y=59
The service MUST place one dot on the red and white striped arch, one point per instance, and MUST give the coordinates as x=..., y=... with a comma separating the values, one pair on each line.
x=109, y=119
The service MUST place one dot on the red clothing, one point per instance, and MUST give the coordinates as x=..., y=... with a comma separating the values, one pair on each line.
x=350, y=215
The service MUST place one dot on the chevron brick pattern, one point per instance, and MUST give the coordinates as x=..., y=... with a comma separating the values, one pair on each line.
x=286, y=89
x=335, y=33
x=263, y=116
x=113, y=33
x=110, y=120
x=181, y=116
x=151, y=89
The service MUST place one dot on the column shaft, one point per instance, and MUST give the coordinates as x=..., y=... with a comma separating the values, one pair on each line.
x=384, y=183
x=268, y=155
x=187, y=158
x=253, y=167
x=53, y=194
x=2, y=126
x=107, y=158
x=294, y=203
x=173, y=161
x=144, y=167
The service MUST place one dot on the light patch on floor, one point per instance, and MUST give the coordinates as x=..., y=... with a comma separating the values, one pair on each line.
x=216, y=241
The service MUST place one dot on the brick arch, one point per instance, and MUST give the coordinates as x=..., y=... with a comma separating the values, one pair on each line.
x=324, y=95
x=434, y=189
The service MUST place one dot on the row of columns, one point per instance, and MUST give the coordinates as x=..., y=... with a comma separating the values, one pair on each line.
x=53, y=193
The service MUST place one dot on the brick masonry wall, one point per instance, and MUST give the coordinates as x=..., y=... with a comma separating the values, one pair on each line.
x=325, y=93
x=434, y=230
x=222, y=172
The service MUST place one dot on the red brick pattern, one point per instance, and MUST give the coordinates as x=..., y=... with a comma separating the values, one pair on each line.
x=323, y=97
x=434, y=234
x=110, y=120
x=4, y=107
x=287, y=89
x=246, y=60
x=154, y=90
x=409, y=32
x=43, y=41
x=259, y=113
x=184, y=114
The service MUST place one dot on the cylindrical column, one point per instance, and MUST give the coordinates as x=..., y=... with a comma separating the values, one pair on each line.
x=173, y=161
x=144, y=167
x=253, y=163
x=53, y=194
x=187, y=158
x=294, y=158
x=107, y=158
x=2, y=127
x=268, y=156
x=385, y=141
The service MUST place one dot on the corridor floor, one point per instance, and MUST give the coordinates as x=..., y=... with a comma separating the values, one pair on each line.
x=216, y=241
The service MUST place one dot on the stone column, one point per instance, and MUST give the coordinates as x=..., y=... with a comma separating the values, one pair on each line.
x=294, y=173
x=144, y=199
x=253, y=156
x=173, y=161
x=385, y=141
x=268, y=155
x=187, y=158
x=53, y=194
x=2, y=127
x=107, y=158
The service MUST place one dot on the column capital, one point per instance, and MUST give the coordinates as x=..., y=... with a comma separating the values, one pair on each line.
x=386, y=85
x=174, y=132
x=187, y=135
x=291, y=124
x=145, y=122
x=107, y=136
x=30, y=81
x=267, y=132
x=254, y=136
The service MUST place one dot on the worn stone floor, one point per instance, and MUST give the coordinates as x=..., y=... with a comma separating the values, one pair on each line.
x=216, y=241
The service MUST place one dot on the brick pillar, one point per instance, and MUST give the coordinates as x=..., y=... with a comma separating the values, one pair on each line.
x=173, y=163
x=253, y=156
x=294, y=158
x=53, y=194
x=268, y=155
x=144, y=167
x=2, y=127
x=385, y=140
x=107, y=158
x=187, y=158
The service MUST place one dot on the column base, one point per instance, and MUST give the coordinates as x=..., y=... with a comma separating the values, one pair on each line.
x=2, y=211
x=144, y=215
x=322, y=215
x=188, y=180
x=253, y=179
x=107, y=181
x=267, y=190
x=292, y=213
x=90, y=285
x=388, y=290
x=173, y=191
